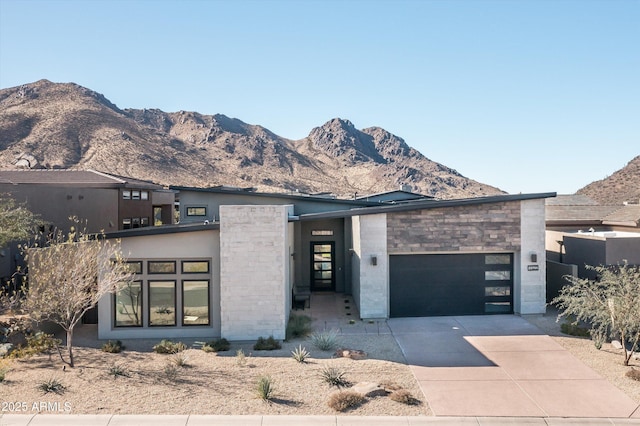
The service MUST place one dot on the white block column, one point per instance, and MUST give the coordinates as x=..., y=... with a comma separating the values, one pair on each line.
x=370, y=246
x=254, y=271
x=530, y=280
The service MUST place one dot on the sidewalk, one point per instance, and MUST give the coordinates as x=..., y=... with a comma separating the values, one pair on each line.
x=196, y=420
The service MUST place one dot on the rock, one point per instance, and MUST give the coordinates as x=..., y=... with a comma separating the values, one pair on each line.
x=5, y=349
x=369, y=389
x=616, y=344
x=350, y=353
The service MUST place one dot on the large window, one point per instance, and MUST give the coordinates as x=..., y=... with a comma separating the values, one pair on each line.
x=128, y=304
x=165, y=293
x=162, y=303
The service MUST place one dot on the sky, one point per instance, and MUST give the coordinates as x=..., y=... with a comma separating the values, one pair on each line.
x=528, y=96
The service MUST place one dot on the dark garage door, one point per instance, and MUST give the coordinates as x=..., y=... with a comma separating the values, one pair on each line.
x=450, y=284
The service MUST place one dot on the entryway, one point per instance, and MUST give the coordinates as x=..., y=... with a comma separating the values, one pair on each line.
x=323, y=266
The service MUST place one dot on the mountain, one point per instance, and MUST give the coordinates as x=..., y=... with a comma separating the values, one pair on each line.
x=622, y=186
x=56, y=125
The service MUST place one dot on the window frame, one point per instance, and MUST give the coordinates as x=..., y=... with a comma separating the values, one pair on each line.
x=141, y=305
x=151, y=272
x=182, y=270
x=175, y=303
x=208, y=281
x=190, y=208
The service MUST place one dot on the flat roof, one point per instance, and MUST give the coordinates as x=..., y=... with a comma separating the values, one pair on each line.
x=163, y=229
x=86, y=178
x=423, y=205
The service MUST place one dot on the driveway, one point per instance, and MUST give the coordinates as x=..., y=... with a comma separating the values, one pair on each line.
x=502, y=366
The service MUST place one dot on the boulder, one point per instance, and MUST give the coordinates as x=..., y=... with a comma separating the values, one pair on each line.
x=369, y=389
x=616, y=344
x=5, y=349
x=350, y=353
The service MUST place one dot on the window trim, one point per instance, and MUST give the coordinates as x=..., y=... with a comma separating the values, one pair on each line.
x=189, y=208
x=150, y=272
x=182, y=262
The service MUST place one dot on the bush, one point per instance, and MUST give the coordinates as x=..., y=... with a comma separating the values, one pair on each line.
x=116, y=370
x=325, y=340
x=218, y=345
x=180, y=360
x=37, y=343
x=633, y=374
x=334, y=377
x=241, y=359
x=404, y=397
x=169, y=347
x=342, y=401
x=3, y=373
x=268, y=344
x=52, y=385
x=170, y=372
x=300, y=354
x=574, y=330
x=113, y=347
x=298, y=326
x=265, y=388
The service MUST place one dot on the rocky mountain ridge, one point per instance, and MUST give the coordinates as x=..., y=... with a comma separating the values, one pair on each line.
x=64, y=125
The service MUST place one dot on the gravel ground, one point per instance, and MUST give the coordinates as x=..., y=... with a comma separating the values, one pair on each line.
x=211, y=383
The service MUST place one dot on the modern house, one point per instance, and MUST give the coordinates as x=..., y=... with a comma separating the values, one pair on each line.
x=107, y=202
x=234, y=264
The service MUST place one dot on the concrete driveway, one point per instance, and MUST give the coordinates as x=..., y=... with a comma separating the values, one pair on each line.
x=502, y=366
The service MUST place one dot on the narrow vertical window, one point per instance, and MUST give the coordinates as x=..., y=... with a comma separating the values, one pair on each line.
x=195, y=302
x=162, y=303
x=128, y=305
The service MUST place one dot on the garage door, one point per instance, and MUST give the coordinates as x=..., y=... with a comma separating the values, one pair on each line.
x=450, y=284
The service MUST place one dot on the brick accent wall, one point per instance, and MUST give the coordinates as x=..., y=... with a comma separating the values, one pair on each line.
x=483, y=227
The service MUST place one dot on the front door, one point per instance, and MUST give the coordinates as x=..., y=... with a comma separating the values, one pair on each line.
x=323, y=266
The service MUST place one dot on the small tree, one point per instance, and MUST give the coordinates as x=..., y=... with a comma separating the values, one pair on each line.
x=68, y=277
x=610, y=303
x=16, y=221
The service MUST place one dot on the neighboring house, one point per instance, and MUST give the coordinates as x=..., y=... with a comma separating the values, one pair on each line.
x=234, y=270
x=107, y=202
x=581, y=232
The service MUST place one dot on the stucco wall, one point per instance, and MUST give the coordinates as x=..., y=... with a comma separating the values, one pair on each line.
x=371, y=281
x=477, y=228
x=186, y=245
x=254, y=271
x=530, y=275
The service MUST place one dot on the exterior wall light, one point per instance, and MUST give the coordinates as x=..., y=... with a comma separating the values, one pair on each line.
x=534, y=257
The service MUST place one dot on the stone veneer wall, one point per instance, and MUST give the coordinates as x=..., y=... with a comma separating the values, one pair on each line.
x=254, y=271
x=474, y=228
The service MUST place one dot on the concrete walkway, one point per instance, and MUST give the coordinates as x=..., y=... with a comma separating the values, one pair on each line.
x=503, y=366
x=196, y=420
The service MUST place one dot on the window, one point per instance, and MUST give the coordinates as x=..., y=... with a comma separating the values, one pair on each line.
x=126, y=194
x=162, y=303
x=497, y=291
x=497, y=275
x=195, y=266
x=135, y=222
x=497, y=259
x=144, y=221
x=196, y=211
x=162, y=267
x=195, y=302
x=126, y=223
x=128, y=304
x=322, y=232
x=135, y=195
x=135, y=267
x=144, y=195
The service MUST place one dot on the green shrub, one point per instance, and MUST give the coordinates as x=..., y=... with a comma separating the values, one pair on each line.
x=113, y=347
x=334, y=377
x=52, y=385
x=169, y=347
x=170, y=372
x=180, y=360
x=403, y=396
x=325, y=340
x=3, y=373
x=574, y=330
x=300, y=354
x=218, y=345
x=265, y=388
x=342, y=401
x=298, y=326
x=37, y=343
x=268, y=344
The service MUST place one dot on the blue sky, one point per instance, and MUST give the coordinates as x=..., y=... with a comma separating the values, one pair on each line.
x=528, y=96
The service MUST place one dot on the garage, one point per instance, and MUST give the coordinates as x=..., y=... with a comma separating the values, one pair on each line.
x=450, y=284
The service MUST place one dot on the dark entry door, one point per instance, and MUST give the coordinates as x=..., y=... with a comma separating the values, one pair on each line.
x=323, y=266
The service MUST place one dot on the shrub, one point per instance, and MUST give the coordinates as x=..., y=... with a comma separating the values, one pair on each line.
x=52, y=385
x=325, y=340
x=169, y=347
x=267, y=344
x=633, y=374
x=180, y=360
x=265, y=388
x=334, y=377
x=116, y=370
x=113, y=347
x=37, y=343
x=342, y=401
x=403, y=396
x=218, y=345
x=241, y=359
x=3, y=372
x=574, y=330
x=300, y=354
x=170, y=372
x=298, y=326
